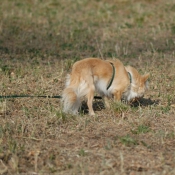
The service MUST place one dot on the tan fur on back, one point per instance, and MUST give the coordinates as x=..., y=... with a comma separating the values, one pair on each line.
x=93, y=74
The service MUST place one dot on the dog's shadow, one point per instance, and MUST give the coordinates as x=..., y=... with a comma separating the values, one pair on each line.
x=144, y=102
x=98, y=105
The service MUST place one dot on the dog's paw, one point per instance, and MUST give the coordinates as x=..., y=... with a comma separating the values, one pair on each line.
x=92, y=113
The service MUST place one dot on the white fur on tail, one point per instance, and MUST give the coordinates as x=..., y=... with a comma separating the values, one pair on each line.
x=72, y=96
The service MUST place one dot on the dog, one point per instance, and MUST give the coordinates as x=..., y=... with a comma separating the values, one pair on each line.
x=108, y=78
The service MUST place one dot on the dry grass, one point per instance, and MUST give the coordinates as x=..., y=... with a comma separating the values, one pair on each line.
x=39, y=42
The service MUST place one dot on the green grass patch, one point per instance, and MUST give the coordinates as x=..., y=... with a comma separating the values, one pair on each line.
x=141, y=129
x=128, y=140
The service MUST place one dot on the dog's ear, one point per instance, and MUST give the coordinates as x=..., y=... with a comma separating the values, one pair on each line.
x=145, y=77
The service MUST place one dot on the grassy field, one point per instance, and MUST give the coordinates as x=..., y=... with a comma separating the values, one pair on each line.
x=39, y=41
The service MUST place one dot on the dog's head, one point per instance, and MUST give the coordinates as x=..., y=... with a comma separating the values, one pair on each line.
x=138, y=84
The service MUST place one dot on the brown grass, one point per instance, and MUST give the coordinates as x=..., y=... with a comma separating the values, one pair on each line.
x=39, y=41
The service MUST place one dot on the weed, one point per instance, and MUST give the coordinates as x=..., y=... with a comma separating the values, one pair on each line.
x=3, y=107
x=171, y=135
x=119, y=106
x=69, y=166
x=1, y=132
x=128, y=140
x=108, y=145
x=165, y=109
x=61, y=115
x=82, y=152
x=173, y=29
x=141, y=129
x=12, y=145
x=69, y=62
x=6, y=69
x=145, y=144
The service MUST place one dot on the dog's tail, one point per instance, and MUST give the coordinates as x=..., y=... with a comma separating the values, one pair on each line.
x=71, y=102
x=73, y=94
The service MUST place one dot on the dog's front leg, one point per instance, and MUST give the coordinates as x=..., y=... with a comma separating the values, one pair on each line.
x=117, y=96
x=106, y=101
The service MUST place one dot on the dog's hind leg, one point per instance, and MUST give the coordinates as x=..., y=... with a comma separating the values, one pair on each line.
x=90, y=97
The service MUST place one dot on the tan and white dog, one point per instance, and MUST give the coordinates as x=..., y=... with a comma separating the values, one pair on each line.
x=108, y=78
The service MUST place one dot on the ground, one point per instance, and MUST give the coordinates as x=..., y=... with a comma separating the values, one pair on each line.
x=39, y=42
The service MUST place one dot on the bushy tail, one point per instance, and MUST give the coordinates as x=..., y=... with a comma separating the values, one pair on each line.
x=76, y=89
x=71, y=102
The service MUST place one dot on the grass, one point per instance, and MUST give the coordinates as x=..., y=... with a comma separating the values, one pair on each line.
x=40, y=40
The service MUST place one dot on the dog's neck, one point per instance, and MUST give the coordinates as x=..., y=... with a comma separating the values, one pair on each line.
x=113, y=75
